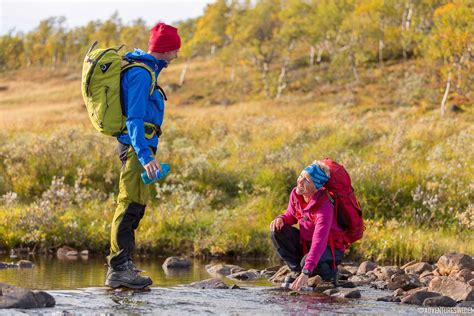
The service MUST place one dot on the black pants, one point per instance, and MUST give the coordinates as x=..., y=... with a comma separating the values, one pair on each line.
x=289, y=249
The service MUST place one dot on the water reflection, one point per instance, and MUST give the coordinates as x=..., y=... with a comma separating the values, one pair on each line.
x=49, y=273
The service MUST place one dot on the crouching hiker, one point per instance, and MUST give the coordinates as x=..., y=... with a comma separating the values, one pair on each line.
x=318, y=246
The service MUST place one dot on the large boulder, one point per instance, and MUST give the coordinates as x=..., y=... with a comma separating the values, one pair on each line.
x=176, y=263
x=251, y=274
x=418, y=298
x=223, y=269
x=15, y=297
x=464, y=275
x=213, y=283
x=365, y=267
x=444, y=301
x=403, y=281
x=454, y=262
x=457, y=290
x=418, y=268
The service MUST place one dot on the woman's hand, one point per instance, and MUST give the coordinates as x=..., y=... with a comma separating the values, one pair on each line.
x=300, y=282
x=276, y=224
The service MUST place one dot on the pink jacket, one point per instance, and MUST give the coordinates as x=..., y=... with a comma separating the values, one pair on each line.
x=316, y=232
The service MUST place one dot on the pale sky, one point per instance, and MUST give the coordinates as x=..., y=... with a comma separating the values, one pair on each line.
x=25, y=15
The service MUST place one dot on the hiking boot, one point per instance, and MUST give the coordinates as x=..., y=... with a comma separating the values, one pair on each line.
x=134, y=267
x=290, y=278
x=123, y=275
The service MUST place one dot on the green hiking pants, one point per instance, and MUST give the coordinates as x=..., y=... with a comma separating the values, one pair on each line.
x=132, y=198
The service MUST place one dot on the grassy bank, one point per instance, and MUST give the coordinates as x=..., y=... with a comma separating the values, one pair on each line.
x=232, y=170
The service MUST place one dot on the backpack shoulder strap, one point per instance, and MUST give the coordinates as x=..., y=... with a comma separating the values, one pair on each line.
x=129, y=63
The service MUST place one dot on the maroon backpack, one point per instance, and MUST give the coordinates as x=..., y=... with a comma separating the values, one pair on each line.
x=348, y=210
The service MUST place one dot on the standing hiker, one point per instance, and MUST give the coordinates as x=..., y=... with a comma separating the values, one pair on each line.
x=137, y=148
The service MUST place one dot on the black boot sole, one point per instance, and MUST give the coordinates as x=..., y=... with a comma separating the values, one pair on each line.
x=116, y=284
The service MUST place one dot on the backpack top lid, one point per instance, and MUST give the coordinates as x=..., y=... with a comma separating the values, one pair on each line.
x=339, y=181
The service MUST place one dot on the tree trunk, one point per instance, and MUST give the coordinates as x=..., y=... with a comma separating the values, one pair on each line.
x=213, y=50
x=282, y=78
x=354, y=66
x=266, y=83
x=445, y=96
x=406, y=23
x=381, y=47
x=320, y=54
x=311, y=55
x=184, y=71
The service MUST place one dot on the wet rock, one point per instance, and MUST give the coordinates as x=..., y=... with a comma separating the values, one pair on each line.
x=15, y=297
x=84, y=253
x=392, y=299
x=320, y=288
x=381, y=285
x=444, y=301
x=426, y=273
x=331, y=292
x=235, y=287
x=471, y=282
x=408, y=264
x=3, y=265
x=245, y=275
x=213, y=283
x=464, y=275
x=269, y=272
x=351, y=269
x=403, y=281
x=25, y=264
x=347, y=294
x=365, y=267
x=361, y=279
x=418, y=268
x=425, y=281
x=457, y=290
x=223, y=269
x=454, y=262
x=469, y=304
x=347, y=285
x=398, y=292
x=413, y=291
x=279, y=276
x=66, y=252
x=313, y=281
x=176, y=263
x=385, y=273
x=418, y=297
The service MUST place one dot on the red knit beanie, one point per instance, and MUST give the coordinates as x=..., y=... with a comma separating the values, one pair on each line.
x=164, y=38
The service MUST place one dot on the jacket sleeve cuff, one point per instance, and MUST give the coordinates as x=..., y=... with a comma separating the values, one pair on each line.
x=145, y=157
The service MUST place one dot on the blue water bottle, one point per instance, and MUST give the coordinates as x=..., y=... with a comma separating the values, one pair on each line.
x=159, y=175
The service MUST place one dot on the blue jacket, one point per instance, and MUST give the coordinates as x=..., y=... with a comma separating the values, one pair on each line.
x=139, y=107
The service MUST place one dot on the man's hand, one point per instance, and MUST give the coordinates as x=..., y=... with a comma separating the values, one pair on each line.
x=277, y=224
x=300, y=282
x=151, y=169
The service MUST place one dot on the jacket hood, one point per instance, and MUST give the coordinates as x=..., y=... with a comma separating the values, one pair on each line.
x=155, y=64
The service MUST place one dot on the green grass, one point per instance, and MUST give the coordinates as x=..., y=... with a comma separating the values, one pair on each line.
x=233, y=168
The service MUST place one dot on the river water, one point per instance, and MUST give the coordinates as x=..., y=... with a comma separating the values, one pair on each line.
x=77, y=286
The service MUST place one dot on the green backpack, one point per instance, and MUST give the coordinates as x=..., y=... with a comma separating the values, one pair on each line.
x=101, y=76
